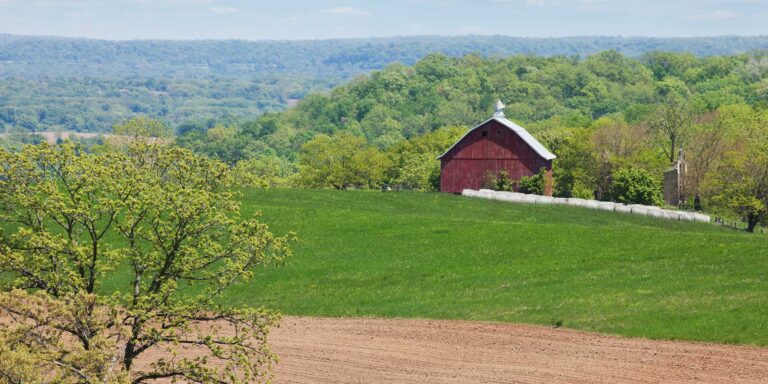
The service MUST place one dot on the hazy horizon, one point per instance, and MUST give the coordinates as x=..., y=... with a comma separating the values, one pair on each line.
x=335, y=19
x=378, y=37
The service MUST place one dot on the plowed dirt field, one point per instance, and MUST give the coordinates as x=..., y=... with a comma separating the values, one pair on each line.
x=325, y=350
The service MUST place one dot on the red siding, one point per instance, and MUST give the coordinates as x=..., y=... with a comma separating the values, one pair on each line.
x=467, y=163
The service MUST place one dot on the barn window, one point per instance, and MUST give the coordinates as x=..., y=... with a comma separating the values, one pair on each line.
x=498, y=132
x=485, y=133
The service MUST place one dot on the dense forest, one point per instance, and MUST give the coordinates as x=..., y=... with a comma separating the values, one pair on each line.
x=64, y=84
x=543, y=93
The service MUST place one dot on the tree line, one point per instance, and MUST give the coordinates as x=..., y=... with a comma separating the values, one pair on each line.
x=33, y=57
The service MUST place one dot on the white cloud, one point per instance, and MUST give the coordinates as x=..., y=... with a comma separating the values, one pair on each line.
x=348, y=11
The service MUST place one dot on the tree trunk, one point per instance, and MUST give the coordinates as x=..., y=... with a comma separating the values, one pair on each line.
x=752, y=221
x=673, y=139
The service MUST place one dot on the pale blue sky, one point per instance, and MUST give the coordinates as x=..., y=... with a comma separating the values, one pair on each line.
x=320, y=19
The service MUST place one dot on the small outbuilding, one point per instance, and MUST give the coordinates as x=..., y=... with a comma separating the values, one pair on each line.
x=495, y=145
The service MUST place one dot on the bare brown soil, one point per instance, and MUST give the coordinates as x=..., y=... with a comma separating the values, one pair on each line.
x=361, y=350
x=323, y=350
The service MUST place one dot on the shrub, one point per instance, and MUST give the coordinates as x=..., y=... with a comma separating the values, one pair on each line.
x=498, y=182
x=535, y=184
x=581, y=191
x=635, y=186
x=503, y=182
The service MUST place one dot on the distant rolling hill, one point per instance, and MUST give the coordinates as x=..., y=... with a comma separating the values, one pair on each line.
x=33, y=57
x=86, y=85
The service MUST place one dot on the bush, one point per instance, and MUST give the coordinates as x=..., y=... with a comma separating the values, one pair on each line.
x=500, y=182
x=535, y=184
x=581, y=191
x=503, y=182
x=635, y=186
x=434, y=179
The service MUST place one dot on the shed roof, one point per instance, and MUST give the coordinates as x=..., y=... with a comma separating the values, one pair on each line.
x=520, y=131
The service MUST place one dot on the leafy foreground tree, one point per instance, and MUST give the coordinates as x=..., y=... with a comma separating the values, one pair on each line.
x=72, y=220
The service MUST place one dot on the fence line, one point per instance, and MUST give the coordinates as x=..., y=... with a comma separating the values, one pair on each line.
x=738, y=225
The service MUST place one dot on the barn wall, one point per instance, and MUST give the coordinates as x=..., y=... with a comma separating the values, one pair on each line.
x=467, y=163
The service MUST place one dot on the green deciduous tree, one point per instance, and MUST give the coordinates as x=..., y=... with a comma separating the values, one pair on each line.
x=672, y=119
x=738, y=183
x=413, y=163
x=341, y=162
x=142, y=126
x=159, y=216
x=263, y=172
x=635, y=186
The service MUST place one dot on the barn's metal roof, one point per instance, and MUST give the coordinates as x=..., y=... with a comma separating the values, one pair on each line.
x=520, y=131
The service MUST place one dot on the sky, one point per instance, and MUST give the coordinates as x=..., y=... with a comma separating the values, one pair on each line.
x=323, y=19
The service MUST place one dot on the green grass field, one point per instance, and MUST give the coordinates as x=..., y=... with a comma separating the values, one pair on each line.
x=450, y=257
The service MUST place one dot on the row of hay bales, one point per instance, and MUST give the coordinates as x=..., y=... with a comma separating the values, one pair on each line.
x=637, y=209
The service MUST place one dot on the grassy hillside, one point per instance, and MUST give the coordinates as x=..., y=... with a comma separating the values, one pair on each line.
x=444, y=256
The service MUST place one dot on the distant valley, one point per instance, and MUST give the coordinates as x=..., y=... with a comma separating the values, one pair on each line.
x=65, y=84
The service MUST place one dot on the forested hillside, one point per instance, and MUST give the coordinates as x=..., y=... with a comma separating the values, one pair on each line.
x=543, y=93
x=51, y=83
x=615, y=123
x=35, y=57
x=97, y=104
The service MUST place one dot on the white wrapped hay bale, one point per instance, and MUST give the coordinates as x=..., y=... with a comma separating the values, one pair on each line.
x=486, y=194
x=637, y=209
x=701, y=218
x=494, y=195
x=510, y=197
x=657, y=213
x=669, y=215
x=622, y=208
x=606, y=206
x=560, y=201
x=545, y=200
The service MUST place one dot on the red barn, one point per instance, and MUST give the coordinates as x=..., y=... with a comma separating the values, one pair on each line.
x=493, y=146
